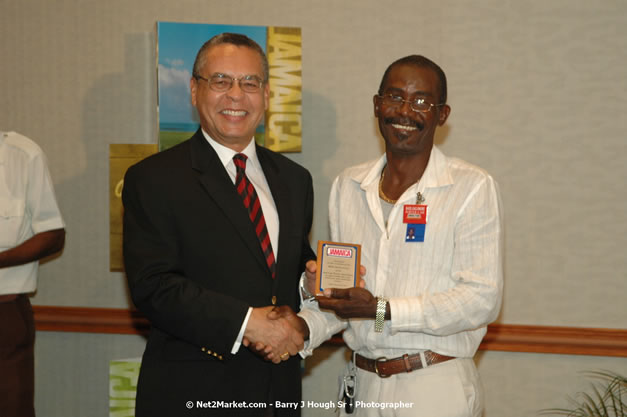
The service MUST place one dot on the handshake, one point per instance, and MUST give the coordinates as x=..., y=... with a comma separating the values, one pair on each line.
x=275, y=333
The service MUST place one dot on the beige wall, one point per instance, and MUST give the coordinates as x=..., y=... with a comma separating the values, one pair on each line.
x=539, y=98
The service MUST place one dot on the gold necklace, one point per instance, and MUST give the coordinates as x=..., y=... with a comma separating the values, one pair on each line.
x=381, y=193
x=419, y=197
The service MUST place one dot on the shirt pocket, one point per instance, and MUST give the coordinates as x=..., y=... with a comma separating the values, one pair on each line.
x=11, y=220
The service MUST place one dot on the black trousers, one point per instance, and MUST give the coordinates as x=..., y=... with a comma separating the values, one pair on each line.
x=17, y=341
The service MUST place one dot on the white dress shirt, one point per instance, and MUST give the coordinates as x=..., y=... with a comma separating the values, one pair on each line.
x=255, y=174
x=27, y=206
x=442, y=292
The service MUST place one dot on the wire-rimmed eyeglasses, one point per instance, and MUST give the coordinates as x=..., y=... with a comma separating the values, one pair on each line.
x=418, y=105
x=222, y=82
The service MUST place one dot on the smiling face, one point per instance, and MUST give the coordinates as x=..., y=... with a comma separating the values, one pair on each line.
x=405, y=131
x=230, y=117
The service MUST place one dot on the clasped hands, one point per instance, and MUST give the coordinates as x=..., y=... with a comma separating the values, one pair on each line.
x=275, y=333
x=285, y=332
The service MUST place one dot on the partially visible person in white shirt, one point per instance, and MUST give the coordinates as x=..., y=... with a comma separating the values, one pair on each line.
x=31, y=228
x=434, y=281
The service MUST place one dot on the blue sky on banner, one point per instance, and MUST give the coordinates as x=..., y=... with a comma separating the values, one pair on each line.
x=178, y=44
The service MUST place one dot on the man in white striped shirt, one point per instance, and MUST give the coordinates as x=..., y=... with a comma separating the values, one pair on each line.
x=431, y=234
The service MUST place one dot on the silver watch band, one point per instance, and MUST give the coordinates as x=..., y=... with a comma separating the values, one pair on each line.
x=379, y=320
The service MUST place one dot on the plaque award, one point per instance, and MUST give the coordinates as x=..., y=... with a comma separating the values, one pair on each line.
x=338, y=265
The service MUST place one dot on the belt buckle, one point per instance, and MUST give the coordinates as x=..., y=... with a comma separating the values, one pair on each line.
x=376, y=367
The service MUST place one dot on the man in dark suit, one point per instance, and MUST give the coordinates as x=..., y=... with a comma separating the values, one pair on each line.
x=214, y=239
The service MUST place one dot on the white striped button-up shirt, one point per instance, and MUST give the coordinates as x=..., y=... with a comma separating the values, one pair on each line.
x=442, y=292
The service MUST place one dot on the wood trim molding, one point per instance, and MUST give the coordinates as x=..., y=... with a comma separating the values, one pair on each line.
x=90, y=320
x=550, y=339
x=500, y=337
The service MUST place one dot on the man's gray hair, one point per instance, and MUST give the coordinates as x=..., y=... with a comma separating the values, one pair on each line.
x=236, y=39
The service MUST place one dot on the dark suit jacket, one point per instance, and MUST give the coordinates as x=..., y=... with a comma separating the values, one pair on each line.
x=194, y=266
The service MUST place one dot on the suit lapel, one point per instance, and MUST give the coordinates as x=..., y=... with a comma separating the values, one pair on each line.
x=216, y=181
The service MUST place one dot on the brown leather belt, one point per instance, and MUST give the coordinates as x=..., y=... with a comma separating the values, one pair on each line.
x=386, y=367
x=5, y=298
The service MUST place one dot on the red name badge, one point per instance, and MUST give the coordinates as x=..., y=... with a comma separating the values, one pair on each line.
x=415, y=214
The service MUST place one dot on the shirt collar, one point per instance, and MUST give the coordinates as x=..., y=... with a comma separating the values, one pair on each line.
x=226, y=154
x=437, y=173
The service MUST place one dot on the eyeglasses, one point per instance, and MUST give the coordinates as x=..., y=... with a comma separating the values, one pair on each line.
x=418, y=105
x=222, y=82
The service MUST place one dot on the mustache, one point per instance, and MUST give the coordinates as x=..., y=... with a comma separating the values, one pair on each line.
x=403, y=121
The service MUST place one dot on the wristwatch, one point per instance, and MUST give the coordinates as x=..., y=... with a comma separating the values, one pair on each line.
x=379, y=319
x=304, y=292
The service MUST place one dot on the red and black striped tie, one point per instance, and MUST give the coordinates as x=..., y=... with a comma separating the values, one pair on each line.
x=253, y=205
